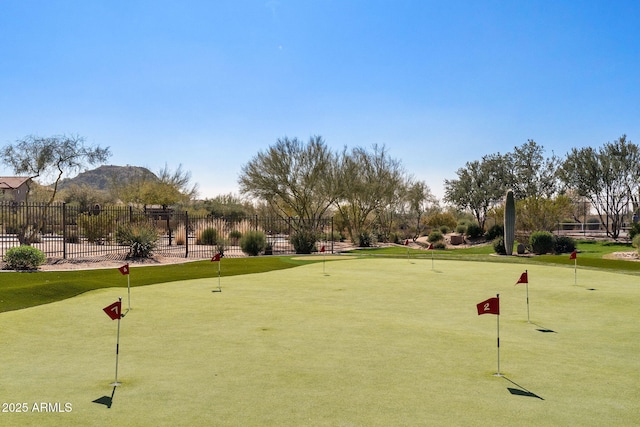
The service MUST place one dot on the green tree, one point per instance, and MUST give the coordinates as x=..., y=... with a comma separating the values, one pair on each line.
x=531, y=174
x=419, y=201
x=296, y=179
x=607, y=177
x=368, y=184
x=480, y=185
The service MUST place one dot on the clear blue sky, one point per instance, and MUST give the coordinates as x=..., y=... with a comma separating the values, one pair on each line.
x=207, y=84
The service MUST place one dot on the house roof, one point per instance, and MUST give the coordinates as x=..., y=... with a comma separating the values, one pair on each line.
x=12, y=182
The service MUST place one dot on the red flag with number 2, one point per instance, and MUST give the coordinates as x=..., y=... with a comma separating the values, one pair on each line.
x=490, y=306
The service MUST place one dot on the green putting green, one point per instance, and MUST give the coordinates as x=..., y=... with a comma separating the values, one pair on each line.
x=373, y=342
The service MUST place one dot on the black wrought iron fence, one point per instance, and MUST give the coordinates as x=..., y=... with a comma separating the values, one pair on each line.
x=63, y=231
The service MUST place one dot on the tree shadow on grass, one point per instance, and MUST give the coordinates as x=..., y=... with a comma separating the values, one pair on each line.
x=106, y=400
x=520, y=391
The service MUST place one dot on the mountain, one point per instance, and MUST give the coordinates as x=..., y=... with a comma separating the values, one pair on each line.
x=101, y=177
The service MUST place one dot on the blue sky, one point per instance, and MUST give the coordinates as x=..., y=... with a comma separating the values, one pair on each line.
x=207, y=84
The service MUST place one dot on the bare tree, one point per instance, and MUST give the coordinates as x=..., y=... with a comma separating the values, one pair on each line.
x=49, y=158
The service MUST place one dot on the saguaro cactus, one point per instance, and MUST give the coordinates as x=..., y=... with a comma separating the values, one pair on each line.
x=509, y=222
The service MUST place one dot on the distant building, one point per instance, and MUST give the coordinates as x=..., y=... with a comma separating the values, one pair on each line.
x=14, y=188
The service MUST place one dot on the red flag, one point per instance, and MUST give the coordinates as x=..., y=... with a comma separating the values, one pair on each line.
x=430, y=246
x=406, y=242
x=124, y=269
x=216, y=257
x=114, y=311
x=490, y=306
x=322, y=248
x=524, y=278
x=573, y=255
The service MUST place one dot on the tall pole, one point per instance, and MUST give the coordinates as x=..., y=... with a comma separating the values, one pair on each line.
x=527, y=287
x=498, y=341
x=116, y=383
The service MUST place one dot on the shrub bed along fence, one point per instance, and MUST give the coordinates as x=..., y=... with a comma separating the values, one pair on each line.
x=65, y=232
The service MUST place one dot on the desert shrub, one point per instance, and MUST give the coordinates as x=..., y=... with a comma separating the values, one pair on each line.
x=180, y=234
x=541, y=242
x=496, y=230
x=441, y=218
x=461, y=228
x=636, y=242
x=435, y=236
x=474, y=230
x=444, y=229
x=439, y=245
x=303, y=241
x=24, y=258
x=365, y=239
x=207, y=236
x=563, y=245
x=142, y=239
x=634, y=230
x=253, y=242
x=498, y=245
x=234, y=236
x=96, y=228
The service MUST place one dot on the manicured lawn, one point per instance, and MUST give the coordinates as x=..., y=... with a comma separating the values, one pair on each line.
x=368, y=342
x=26, y=289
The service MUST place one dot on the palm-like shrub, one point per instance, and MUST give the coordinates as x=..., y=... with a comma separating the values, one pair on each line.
x=142, y=239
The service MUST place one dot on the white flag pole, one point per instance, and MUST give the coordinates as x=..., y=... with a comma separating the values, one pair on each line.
x=116, y=383
x=527, y=286
x=575, y=270
x=498, y=374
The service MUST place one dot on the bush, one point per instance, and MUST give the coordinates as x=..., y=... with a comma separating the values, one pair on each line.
x=364, y=239
x=439, y=245
x=564, y=245
x=461, y=229
x=494, y=232
x=96, y=228
x=498, y=245
x=444, y=229
x=235, y=236
x=541, y=242
x=253, y=242
x=207, y=236
x=304, y=242
x=141, y=238
x=634, y=230
x=435, y=236
x=636, y=242
x=24, y=258
x=474, y=230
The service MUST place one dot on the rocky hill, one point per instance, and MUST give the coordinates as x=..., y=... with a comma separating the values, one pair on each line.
x=101, y=177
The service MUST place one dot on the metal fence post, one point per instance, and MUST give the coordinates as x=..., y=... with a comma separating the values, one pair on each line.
x=186, y=233
x=64, y=231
